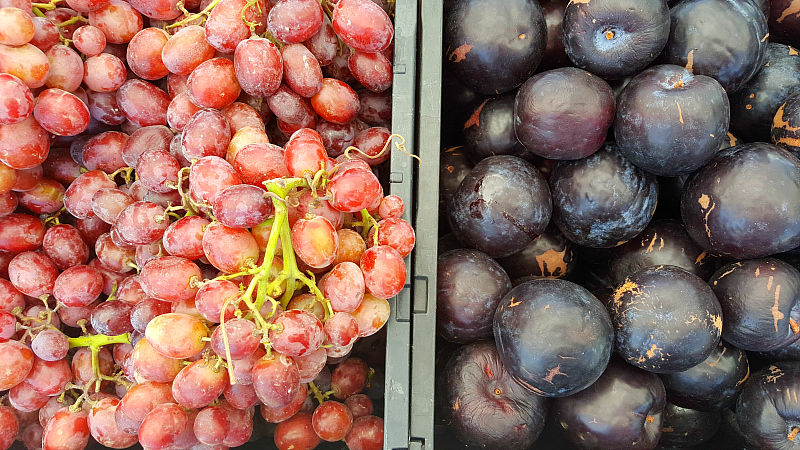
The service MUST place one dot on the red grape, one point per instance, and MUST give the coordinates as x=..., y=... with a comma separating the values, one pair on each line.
x=32, y=273
x=103, y=426
x=16, y=26
x=144, y=104
x=242, y=340
x=162, y=426
x=276, y=379
x=104, y=72
x=199, y=383
x=89, y=40
x=213, y=84
x=384, y=271
x=66, y=68
x=153, y=366
x=344, y=286
x=50, y=345
x=23, y=145
x=46, y=34
x=78, y=285
x=296, y=433
x=371, y=315
x=366, y=434
x=20, y=233
x=16, y=362
x=176, y=335
x=186, y=49
x=206, y=134
x=17, y=100
x=229, y=249
x=259, y=67
x=332, y=420
x=278, y=415
x=25, y=62
x=66, y=430
x=104, y=151
x=118, y=20
x=299, y=334
x=170, y=278
x=315, y=241
x=294, y=21
x=359, y=405
x=211, y=425
x=103, y=106
x=362, y=25
x=144, y=53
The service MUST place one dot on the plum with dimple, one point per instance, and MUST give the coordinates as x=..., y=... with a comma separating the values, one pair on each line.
x=484, y=405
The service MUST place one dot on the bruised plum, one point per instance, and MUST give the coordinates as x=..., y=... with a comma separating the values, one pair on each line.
x=745, y=203
x=493, y=46
x=665, y=318
x=564, y=113
x=500, y=206
x=553, y=336
x=723, y=39
x=670, y=122
x=767, y=411
x=469, y=286
x=622, y=410
x=615, y=38
x=759, y=299
x=602, y=200
x=785, y=130
x=484, y=406
x=754, y=105
x=662, y=242
x=549, y=255
x=711, y=385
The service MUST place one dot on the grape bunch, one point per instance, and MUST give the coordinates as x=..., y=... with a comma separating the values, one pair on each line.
x=192, y=223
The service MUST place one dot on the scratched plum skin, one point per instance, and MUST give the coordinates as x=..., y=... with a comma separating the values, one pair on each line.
x=553, y=336
x=665, y=319
x=500, y=206
x=484, y=406
x=712, y=385
x=603, y=200
x=745, y=202
x=624, y=409
x=665, y=242
x=493, y=46
x=670, y=122
x=759, y=299
x=768, y=410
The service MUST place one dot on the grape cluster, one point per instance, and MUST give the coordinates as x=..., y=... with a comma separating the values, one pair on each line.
x=192, y=225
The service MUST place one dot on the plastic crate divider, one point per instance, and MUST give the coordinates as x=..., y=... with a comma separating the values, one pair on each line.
x=428, y=137
x=397, y=391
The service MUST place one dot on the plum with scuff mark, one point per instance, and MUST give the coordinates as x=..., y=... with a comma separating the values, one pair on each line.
x=723, y=39
x=553, y=336
x=665, y=319
x=745, y=202
x=489, y=130
x=501, y=206
x=564, y=113
x=549, y=255
x=615, y=38
x=784, y=22
x=663, y=242
x=469, y=285
x=684, y=427
x=602, y=200
x=670, y=122
x=493, y=46
x=712, y=385
x=760, y=301
x=785, y=129
x=622, y=410
x=484, y=406
x=754, y=105
x=768, y=409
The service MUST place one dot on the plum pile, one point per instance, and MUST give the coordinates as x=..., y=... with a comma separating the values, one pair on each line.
x=619, y=225
x=194, y=237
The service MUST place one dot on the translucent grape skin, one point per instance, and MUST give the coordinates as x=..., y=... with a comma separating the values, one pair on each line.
x=199, y=383
x=384, y=271
x=170, y=278
x=336, y=101
x=66, y=430
x=300, y=333
x=294, y=21
x=32, y=273
x=362, y=25
x=242, y=206
x=332, y=421
x=276, y=380
x=296, y=432
x=366, y=433
x=61, y=112
x=211, y=425
x=17, y=103
x=176, y=335
x=315, y=241
x=103, y=426
x=259, y=67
